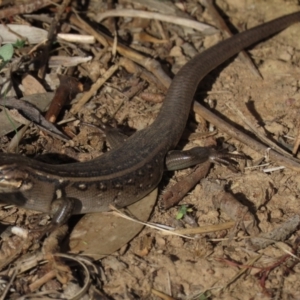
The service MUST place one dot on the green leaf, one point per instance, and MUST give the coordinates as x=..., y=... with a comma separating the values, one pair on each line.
x=6, y=52
x=203, y=297
x=179, y=215
x=19, y=44
x=182, y=212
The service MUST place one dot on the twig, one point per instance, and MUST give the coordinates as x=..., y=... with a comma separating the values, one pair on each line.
x=243, y=55
x=95, y=87
x=9, y=285
x=204, y=28
x=172, y=196
x=288, y=162
x=51, y=35
x=280, y=233
x=243, y=270
x=77, y=21
x=264, y=139
x=68, y=88
x=206, y=228
x=24, y=8
x=119, y=213
x=149, y=64
x=161, y=295
x=42, y=280
x=133, y=68
x=297, y=141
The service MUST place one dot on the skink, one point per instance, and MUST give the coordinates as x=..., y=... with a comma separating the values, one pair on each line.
x=127, y=173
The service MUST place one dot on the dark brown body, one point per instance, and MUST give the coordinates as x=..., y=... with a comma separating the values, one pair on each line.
x=128, y=173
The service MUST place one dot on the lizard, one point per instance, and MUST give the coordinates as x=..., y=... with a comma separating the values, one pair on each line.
x=133, y=169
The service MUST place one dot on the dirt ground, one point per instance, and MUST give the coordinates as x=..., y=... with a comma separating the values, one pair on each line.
x=219, y=264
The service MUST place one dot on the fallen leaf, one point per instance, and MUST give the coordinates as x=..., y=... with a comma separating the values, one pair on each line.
x=100, y=234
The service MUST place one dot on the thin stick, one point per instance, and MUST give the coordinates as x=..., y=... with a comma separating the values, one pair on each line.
x=288, y=162
x=243, y=55
x=206, y=29
x=95, y=87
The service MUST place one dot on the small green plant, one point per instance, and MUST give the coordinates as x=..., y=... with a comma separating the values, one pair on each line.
x=205, y=296
x=183, y=210
x=6, y=54
x=19, y=44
